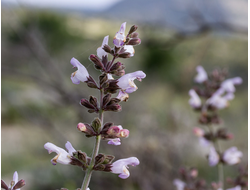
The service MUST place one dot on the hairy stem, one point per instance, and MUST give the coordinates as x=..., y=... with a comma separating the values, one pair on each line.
x=220, y=165
x=89, y=171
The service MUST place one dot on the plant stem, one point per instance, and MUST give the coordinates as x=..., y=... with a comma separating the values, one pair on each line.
x=89, y=171
x=220, y=165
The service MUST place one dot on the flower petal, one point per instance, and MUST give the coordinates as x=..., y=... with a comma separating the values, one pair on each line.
x=100, y=51
x=81, y=74
x=62, y=156
x=129, y=49
x=195, y=100
x=116, y=141
x=120, y=166
x=213, y=157
x=70, y=148
x=201, y=76
x=232, y=156
x=120, y=37
x=180, y=185
x=228, y=85
x=15, y=177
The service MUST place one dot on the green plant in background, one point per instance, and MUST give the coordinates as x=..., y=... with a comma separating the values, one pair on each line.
x=216, y=92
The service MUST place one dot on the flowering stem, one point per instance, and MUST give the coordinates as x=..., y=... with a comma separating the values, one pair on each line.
x=89, y=171
x=220, y=165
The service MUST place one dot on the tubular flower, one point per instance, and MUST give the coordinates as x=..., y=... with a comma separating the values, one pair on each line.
x=218, y=101
x=62, y=156
x=126, y=82
x=129, y=49
x=195, y=100
x=180, y=185
x=228, y=85
x=120, y=37
x=213, y=157
x=100, y=51
x=120, y=166
x=81, y=75
x=201, y=76
x=116, y=141
x=123, y=96
x=232, y=156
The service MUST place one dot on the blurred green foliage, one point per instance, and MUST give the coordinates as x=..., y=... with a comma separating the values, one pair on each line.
x=40, y=104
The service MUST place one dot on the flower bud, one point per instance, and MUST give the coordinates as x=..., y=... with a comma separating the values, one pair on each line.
x=96, y=61
x=103, y=79
x=113, y=87
x=93, y=101
x=108, y=159
x=107, y=48
x=87, y=129
x=125, y=55
x=124, y=133
x=3, y=185
x=132, y=29
x=76, y=162
x=114, y=131
x=91, y=82
x=19, y=184
x=96, y=124
x=86, y=104
x=99, y=159
x=134, y=41
x=134, y=35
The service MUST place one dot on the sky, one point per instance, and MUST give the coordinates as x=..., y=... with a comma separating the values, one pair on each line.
x=83, y=4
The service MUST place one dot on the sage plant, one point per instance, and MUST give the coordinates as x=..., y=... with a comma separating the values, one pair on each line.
x=112, y=92
x=213, y=93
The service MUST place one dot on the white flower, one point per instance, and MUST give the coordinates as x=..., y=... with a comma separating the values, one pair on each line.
x=201, y=76
x=62, y=156
x=116, y=141
x=218, y=101
x=120, y=166
x=180, y=185
x=120, y=37
x=213, y=157
x=100, y=51
x=228, y=85
x=232, y=156
x=129, y=49
x=235, y=188
x=195, y=100
x=81, y=75
x=126, y=82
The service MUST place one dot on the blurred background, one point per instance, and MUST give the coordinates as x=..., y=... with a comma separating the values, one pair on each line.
x=40, y=103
